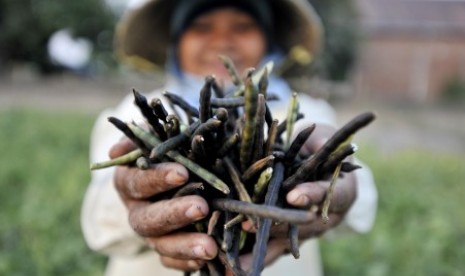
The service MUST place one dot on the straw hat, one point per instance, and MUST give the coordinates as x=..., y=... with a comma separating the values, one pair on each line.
x=142, y=36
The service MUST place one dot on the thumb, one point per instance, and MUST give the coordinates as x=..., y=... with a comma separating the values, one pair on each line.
x=122, y=147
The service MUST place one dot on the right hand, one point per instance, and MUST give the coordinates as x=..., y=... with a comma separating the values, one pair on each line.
x=159, y=221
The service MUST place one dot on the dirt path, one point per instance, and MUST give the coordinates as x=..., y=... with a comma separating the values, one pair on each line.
x=397, y=127
x=435, y=128
x=67, y=92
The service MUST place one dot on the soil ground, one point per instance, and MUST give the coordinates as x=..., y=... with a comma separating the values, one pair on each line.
x=399, y=126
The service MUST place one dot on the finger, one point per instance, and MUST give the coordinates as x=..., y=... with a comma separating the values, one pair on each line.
x=164, y=216
x=138, y=184
x=121, y=147
x=183, y=265
x=306, y=194
x=276, y=248
x=185, y=246
x=319, y=136
x=319, y=226
x=309, y=230
x=313, y=229
x=344, y=194
x=313, y=193
x=249, y=226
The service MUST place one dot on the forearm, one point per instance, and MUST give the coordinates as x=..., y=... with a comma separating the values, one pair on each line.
x=104, y=219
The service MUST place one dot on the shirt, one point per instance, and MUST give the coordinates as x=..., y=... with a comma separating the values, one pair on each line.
x=104, y=216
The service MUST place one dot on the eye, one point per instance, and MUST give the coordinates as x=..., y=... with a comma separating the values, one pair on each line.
x=201, y=26
x=243, y=27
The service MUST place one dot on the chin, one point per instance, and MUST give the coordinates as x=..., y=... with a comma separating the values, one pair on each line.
x=220, y=73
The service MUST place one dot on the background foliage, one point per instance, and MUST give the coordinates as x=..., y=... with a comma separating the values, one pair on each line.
x=42, y=185
x=341, y=37
x=420, y=225
x=26, y=25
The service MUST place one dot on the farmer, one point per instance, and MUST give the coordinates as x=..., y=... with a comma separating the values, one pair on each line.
x=184, y=38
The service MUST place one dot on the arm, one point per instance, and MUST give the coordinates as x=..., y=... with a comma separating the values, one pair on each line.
x=116, y=194
x=361, y=212
x=354, y=200
x=103, y=214
x=117, y=236
x=308, y=194
x=158, y=222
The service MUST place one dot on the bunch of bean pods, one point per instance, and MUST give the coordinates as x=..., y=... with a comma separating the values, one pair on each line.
x=241, y=159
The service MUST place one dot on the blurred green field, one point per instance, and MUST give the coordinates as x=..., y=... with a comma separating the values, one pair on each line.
x=420, y=228
x=43, y=175
x=420, y=225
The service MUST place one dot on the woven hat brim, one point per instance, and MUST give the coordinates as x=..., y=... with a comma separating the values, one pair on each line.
x=142, y=35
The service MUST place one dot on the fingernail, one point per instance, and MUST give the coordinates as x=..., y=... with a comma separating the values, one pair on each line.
x=175, y=177
x=296, y=198
x=248, y=226
x=199, y=252
x=195, y=212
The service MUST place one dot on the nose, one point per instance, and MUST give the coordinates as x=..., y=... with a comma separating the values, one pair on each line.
x=221, y=39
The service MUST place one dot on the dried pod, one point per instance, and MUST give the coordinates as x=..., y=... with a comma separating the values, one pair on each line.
x=240, y=159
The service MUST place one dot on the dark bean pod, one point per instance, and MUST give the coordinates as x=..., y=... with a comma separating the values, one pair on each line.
x=240, y=159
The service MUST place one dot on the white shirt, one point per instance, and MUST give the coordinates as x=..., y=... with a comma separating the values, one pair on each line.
x=104, y=216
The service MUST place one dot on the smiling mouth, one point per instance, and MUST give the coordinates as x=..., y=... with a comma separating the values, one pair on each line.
x=218, y=68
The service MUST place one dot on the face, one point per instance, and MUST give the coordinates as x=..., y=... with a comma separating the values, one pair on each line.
x=225, y=31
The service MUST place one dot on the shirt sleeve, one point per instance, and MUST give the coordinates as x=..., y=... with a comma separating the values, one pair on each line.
x=362, y=214
x=103, y=215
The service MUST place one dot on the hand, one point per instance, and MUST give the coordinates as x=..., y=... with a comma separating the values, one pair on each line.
x=308, y=194
x=158, y=221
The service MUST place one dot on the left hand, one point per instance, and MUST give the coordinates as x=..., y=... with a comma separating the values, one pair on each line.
x=304, y=196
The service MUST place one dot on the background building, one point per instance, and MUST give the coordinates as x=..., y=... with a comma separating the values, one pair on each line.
x=413, y=49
